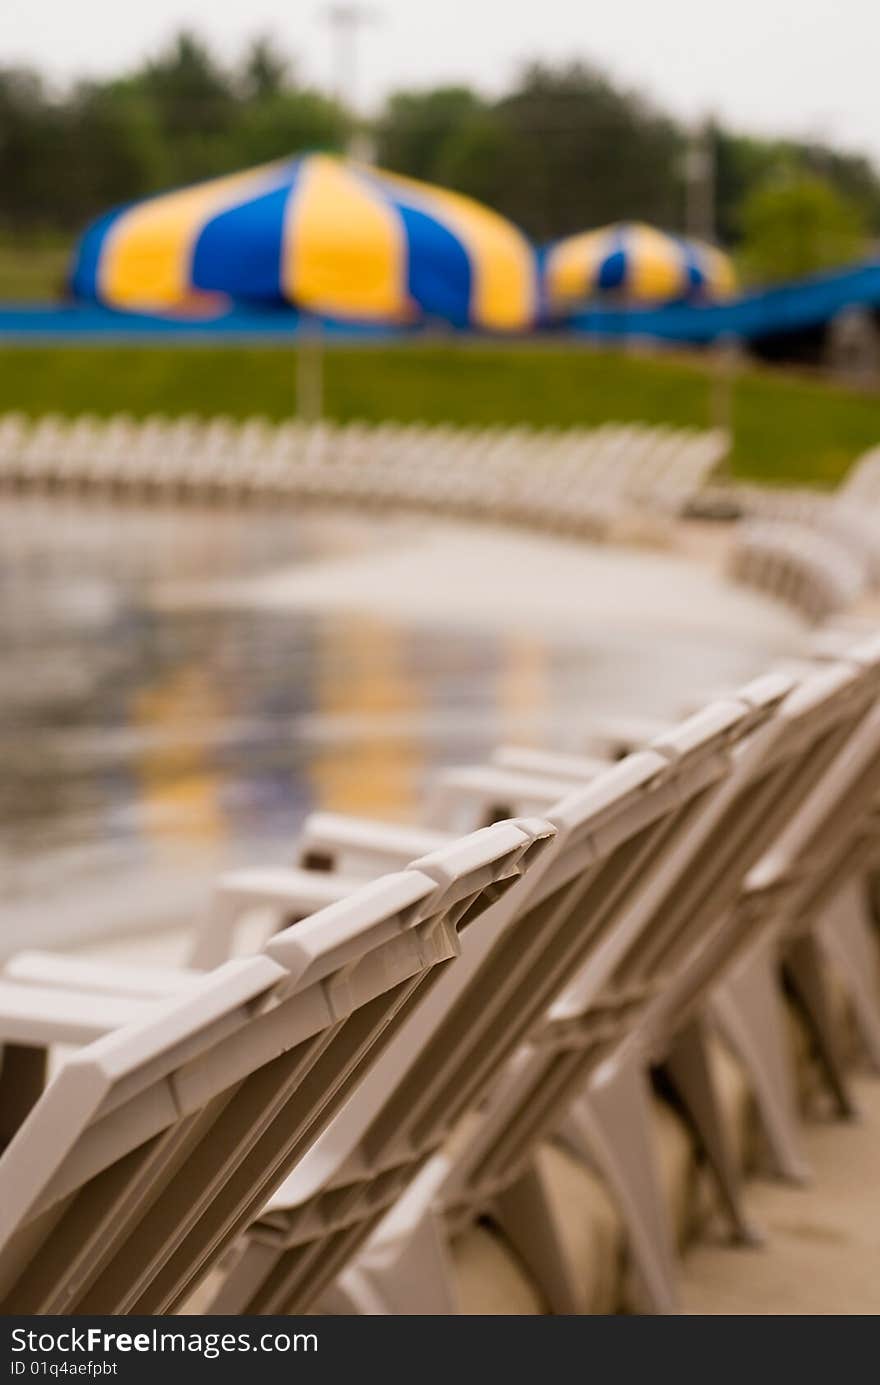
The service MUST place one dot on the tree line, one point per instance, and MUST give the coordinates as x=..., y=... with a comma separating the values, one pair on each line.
x=564, y=149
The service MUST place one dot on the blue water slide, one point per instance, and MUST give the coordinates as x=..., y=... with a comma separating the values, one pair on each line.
x=775, y=312
x=790, y=308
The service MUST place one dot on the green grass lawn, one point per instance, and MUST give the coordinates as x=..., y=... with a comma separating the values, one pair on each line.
x=32, y=270
x=787, y=428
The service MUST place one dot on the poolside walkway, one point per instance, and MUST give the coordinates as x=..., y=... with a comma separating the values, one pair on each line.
x=452, y=574
x=822, y=1254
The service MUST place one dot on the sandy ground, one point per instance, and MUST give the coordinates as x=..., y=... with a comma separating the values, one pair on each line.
x=822, y=1250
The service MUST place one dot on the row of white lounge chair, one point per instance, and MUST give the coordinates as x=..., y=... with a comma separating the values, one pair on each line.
x=817, y=553
x=315, y=1124
x=575, y=480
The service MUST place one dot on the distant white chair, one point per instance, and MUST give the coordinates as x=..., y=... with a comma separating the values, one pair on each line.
x=818, y=553
x=576, y=481
x=798, y=566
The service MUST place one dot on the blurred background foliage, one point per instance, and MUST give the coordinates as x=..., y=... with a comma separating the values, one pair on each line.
x=797, y=223
x=564, y=149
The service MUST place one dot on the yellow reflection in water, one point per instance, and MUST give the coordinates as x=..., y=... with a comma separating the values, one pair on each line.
x=371, y=763
x=179, y=786
x=523, y=690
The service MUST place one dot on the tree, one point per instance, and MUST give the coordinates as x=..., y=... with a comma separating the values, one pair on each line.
x=115, y=150
x=746, y=162
x=417, y=127
x=192, y=94
x=288, y=122
x=31, y=132
x=196, y=105
x=852, y=174
x=797, y=224
x=264, y=72
x=741, y=162
x=564, y=150
x=591, y=153
x=481, y=159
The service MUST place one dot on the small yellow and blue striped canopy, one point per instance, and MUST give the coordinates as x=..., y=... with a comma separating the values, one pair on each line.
x=329, y=236
x=635, y=262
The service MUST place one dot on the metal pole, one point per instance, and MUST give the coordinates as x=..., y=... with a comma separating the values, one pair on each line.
x=700, y=184
x=310, y=375
x=345, y=20
x=727, y=354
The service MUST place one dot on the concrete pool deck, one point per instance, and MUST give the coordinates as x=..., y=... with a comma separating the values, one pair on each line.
x=480, y=575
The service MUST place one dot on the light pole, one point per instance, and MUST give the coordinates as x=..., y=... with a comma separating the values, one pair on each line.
x=345, y=19
x=699, y=181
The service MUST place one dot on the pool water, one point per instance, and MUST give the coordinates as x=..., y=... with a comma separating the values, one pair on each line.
x=146, y=745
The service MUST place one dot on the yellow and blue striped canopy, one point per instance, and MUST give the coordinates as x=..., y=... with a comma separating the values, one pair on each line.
x=327, y=235
x=636, y=262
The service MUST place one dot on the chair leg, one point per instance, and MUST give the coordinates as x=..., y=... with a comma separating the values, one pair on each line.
x=689, y=1067
x=412, y=1276
x=525, y=1214
x=351, y=1296
x=251, y=1266
x=748, y=1010
x=805, y=967
x=847, y=935
x=610, y=1125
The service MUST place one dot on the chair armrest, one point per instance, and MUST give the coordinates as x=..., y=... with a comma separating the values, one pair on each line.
x=287, y=892
x=51, y=971
x=614, y=737
x=548, y=764
x=474, y=796
x=38, y=1016
x=360, y=846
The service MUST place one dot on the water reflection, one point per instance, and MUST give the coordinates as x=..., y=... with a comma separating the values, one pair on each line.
x=360, y=761
x=176, y=781
x=145, y=748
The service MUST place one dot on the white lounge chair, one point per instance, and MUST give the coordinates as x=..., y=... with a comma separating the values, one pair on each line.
x=611, y=836
x=586, y=1066
x=158, y=1142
